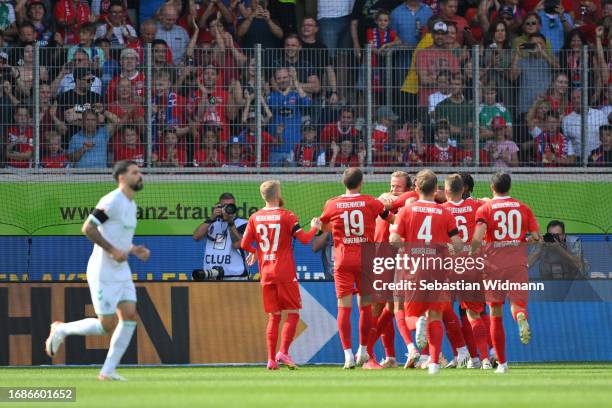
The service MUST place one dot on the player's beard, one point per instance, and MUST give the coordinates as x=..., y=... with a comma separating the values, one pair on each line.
x=137, y=186
x=281, y=202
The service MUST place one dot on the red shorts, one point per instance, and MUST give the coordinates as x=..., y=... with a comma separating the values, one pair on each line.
x=476, y=307
x=417, y=309
x=281, y=296
x=347, y=280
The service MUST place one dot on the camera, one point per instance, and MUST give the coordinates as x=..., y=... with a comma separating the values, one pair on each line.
x=212, y=274
x=551, y=238
x=550, y=6
x=229, y=209
x=528, y=46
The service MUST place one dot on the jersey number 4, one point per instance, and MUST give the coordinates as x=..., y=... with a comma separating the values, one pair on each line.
x=353, y=223
x=264, y=234
x=425, y=230
x=508, y=225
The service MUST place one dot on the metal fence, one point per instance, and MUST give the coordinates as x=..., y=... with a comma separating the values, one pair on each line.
x=227, y=107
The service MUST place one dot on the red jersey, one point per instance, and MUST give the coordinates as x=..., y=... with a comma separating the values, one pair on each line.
x=465, y=216
x=346, y=161
x=272, y=229
x=507, y=219
x=135, y=153
x=54, y=161
x=72, y=14
x=139, y=46
x=22, y=144
x=138, y=86
x=199, y=157
x=213, y=113
x=401, y=200
x=353, y=220
x=381, y=234
x=443, y=155
x=546, y=143
x=332, y=132
x=425, y=221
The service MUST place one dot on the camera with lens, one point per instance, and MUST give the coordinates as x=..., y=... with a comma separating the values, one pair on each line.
x=229, y=209
x=551, y=238
x=216, y=273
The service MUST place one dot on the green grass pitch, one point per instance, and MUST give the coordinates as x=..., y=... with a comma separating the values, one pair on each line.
x=545, y=385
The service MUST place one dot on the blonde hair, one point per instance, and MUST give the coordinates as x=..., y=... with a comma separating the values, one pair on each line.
x=270, y=190
x=426, y=181
x=400, y=174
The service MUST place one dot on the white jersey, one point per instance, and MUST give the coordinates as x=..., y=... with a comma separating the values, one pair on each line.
x=115, y=216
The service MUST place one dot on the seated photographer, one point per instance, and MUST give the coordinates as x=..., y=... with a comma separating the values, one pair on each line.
x=223, y=233
x=559, y=256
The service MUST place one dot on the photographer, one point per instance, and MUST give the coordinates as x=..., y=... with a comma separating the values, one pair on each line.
x=560, y=256
x=223, y=233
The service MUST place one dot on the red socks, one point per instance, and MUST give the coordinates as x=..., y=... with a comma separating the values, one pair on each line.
x=400, y=319
x=344, y=326
x=388, y=332
x=453, y=329
x=288, y=333
x=272, y=334
x=487, y=322
x=480, y=337
x=468, y=335
x=499, y=338
x=380, y=327
x=365, y=323
x=435, y=332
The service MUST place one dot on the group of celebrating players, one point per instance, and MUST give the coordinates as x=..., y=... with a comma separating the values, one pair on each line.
x=408, y=213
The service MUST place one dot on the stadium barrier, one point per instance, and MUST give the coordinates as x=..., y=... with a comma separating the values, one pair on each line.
x=224, y=323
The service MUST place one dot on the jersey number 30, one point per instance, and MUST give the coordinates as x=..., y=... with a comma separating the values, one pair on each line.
x=263, y=230
x=508, y=225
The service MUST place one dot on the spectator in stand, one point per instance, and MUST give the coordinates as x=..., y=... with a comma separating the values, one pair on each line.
x=86, y=44
x=503, y=152
x=334, y=19
x=228, y=54
x=532, y=24
x=170, y=153
x=292, y=60
x=34, y=12
x=160, y=51
x=343, y=154
x=555, y=24
x=175, y=36
x=489, y=110
x=101, y=8
x=286, y=105
x=443, y=92
x=602, y=62
x=558, y=95
x=74, y=102
x=448, y=11
x=115, y=26
x=410, y=146
x=49, y=120
x=536, y=117
x=129, y=70
x=129, y=147
x=571, y=61
x=342, y=129
x=53, y=156
x=455, y=109
x=441, y=152
x=20, y=136
x=148, y=32
x=497, y=60
x=461, y=52
x=25, y=68
x=209, y=152
x=317, y=53
x=67, y=81
x=430, y=61
x=169, y=109
x=249, y=109
x=127, y=106
x=510, y=12
x=572, y=125
x=111, y=67
x=602, y=156
x=308, y=152
x=88, y=148
x=409, y=20
x=236, y=156
x=7, y=18
x=260, y=26
x=384, y=153
x=248, y=138
x=552, y=149
x=70, y=15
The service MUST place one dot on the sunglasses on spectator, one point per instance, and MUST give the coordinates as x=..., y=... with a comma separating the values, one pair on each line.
x=531, y=23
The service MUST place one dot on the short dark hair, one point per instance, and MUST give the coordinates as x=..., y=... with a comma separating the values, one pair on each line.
x=121, y=167
x=91, y=27
x=468, y=181
x=294, y=36
x=226, y=196
x=159, y=41
x=556, y=223
x=501, y=182
x=604, y=128
x=381, y=12
x=352, y=177
x=537, y=35
x=455, y=183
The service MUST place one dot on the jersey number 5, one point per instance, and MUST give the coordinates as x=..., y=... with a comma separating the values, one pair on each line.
x=263, y=230
x=353, y=223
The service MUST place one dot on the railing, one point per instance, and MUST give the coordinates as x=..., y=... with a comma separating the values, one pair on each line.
x=261, y=108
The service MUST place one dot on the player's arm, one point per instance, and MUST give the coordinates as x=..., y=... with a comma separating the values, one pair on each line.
x=248, y=238
x=320, y=241
x=306, y=237
x=90, y=229
x=396, y=230
x=141, y=252
x=479, y=233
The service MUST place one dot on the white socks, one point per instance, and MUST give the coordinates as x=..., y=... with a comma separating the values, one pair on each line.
x=118, y=344
x=348, y=355
x=85, y=327
x=411, y=347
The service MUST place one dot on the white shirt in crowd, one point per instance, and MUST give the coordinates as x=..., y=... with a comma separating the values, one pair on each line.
x=572, y=125
x=118, y=229
x=68, y=83
x=435, y=98
x=335, y=8
x=118, y=32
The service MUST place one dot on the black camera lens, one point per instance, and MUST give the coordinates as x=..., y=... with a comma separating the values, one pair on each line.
x=230, y=209
x=215, y=273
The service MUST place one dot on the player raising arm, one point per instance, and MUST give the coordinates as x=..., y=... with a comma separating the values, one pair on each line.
x=111, y=228
x=505, y=219
x=426, y=222
x=351, y=218
x=272, y=229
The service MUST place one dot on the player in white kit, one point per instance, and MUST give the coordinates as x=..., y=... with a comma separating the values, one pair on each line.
x=111, y=228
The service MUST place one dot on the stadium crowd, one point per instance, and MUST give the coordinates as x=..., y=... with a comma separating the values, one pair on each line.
x=91, y=87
